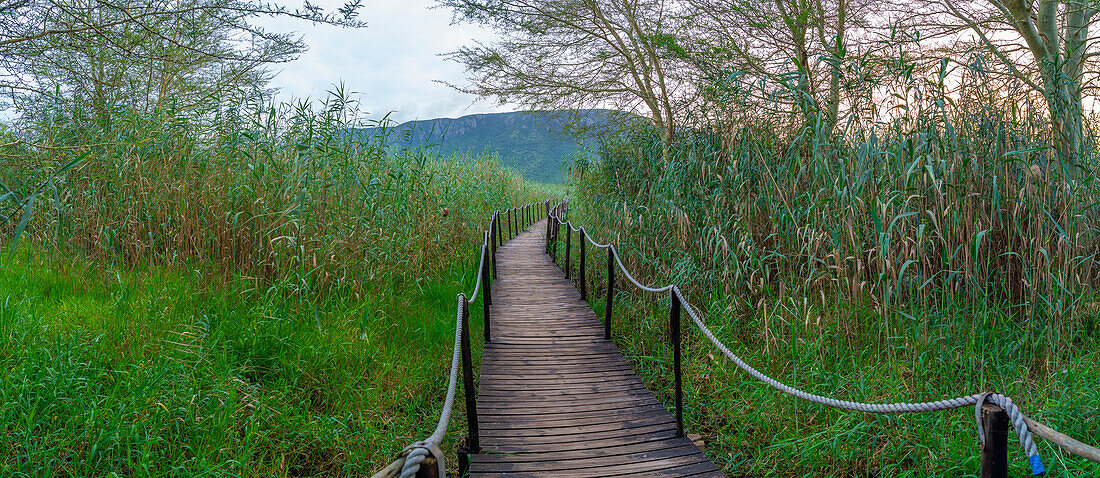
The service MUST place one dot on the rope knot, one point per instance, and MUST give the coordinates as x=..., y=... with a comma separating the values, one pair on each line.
x=1018, y=423
x=417, y=453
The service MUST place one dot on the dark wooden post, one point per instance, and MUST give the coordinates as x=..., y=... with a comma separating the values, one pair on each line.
x=555, y=237
x=472, y=439
x=499, y=241
x=995, y=449
x=582, y=237
x=487, y=300
x=547, y=233
x=674, y=334
x=610, y=292
x=492, y=238
x=568, y=237
x=554, y=240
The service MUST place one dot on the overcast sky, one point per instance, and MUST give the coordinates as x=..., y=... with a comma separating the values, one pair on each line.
x=394, y=63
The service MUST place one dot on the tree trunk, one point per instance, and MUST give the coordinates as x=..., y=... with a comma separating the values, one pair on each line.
x=833, y=107
x=1066, y=121
x=1061, y=76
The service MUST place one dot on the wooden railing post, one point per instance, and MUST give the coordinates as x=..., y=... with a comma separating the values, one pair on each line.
x=554, y=240
x=500, y=241
x=492, y=238
x=674, y=334
x=487, y=300
x=568, y=237
x=584, y=287
x=610, y=292
x=995, y=449
x=472, y=439
x=547, y=251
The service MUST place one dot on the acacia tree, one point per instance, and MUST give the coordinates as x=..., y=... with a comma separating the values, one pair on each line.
x=94, y=56
x=1046, y=44
x=798, y=47
x=575, y=54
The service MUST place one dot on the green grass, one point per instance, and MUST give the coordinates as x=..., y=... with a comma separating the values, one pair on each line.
x=901, y=262
x=156, y=372
x=257, y=295
x=848, y=351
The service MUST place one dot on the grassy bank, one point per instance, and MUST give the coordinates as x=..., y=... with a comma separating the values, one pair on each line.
x=850, y=352
x=260, y=295
x=155, y=371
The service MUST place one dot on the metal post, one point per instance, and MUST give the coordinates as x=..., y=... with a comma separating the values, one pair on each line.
x=487, y=300
x=472, y=439
x=674, y=334
x=584, y=286
x=995, y=449
x=610, y=292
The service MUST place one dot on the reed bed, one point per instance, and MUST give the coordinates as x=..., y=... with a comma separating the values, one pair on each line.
x=248, y=291
x=943, y=251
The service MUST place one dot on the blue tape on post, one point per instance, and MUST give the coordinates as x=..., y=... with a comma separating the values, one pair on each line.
x=1037, y=465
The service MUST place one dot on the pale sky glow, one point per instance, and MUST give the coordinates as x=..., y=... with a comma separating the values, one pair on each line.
x=393, y=63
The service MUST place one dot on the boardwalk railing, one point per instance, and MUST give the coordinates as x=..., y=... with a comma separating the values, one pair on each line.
x=424, y=458
x=994, y=413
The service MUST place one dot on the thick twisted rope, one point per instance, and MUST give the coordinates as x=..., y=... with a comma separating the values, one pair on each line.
x=1014, y=414
x=1017, y=418
x=419, y=451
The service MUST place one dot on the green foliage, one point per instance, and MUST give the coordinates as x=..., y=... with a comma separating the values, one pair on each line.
x=260, y=295
x=157, y=372
x=941, y=254
x=280, y=193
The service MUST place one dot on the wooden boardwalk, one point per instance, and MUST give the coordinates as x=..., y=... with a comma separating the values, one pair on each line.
x=556, y=398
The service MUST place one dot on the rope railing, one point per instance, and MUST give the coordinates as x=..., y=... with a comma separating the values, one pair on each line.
x=994, y=412
x=424, y=458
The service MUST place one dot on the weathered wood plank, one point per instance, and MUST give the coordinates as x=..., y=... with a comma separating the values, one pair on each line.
x=557, y=399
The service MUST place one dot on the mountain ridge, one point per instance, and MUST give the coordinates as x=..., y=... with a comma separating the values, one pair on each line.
x=536, y=143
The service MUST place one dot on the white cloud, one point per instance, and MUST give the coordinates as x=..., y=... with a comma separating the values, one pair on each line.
x=394, y=63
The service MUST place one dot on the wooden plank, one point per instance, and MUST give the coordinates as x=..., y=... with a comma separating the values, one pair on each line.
x=555, y=398
x=572, y=430
x=591, y=464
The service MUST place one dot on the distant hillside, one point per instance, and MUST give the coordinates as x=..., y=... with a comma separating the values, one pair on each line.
x=532, y=142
